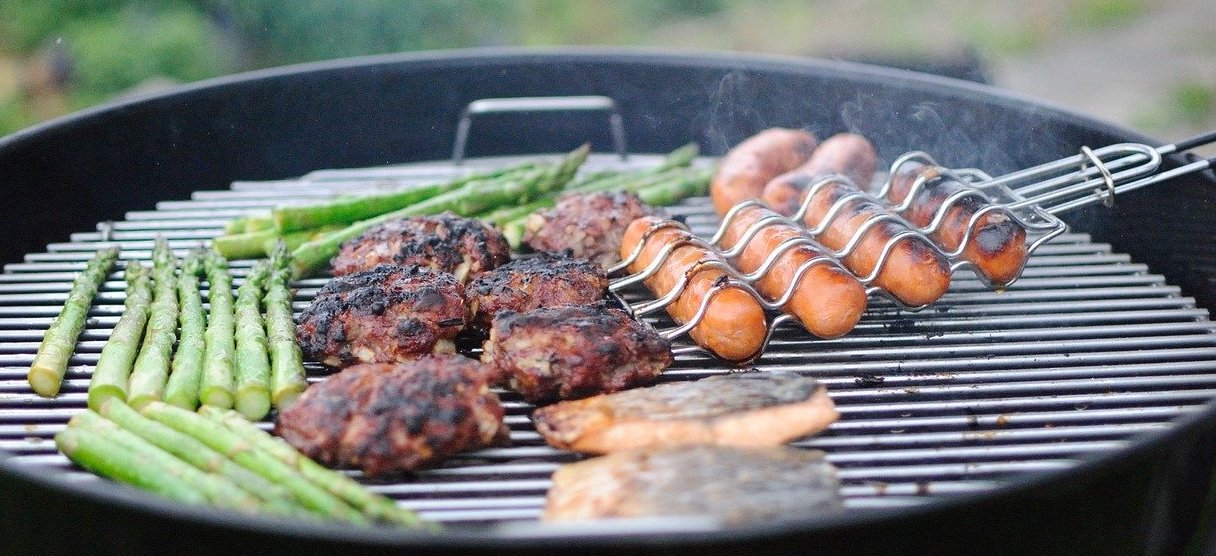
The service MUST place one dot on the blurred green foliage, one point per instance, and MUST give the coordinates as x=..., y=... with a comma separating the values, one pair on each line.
x=63, y=55
x=87, y=51
x=1187, y=104
x=26, y=24
x=174, y=43
x=1097, y=14
x=284, y=31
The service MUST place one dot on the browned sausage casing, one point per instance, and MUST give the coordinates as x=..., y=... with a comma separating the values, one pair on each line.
x=997, y=245
x=745, y=169
x=914, y=272
x=827, y=300
x=734, y=327
x=844, y=153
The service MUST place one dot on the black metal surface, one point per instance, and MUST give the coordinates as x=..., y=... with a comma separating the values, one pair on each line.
x=366, y=112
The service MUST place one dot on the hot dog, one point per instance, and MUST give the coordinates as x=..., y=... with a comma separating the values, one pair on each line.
x=745, y=169
x=844, y=153
x=997, y=246
x=827, y=300
x=734, y=326
x=914, y=272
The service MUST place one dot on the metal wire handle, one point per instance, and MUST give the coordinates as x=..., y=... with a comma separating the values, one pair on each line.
x=593, y=103
x=1090, y=177
x=1033, y=197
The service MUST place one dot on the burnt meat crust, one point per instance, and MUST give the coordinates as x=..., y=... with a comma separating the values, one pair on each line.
x=464, y=247
x=542, y=281
x=586, y=225
x=574, y=351
x=389, y=313
x=384, y=418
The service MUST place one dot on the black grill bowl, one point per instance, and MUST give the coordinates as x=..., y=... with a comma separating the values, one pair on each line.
x=70, y=174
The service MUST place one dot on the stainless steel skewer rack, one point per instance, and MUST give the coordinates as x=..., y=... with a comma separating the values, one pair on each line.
x=1033, y=197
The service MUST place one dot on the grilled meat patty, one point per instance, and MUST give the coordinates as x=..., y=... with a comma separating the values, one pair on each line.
x=586, y=225
x=525, y=284
x=450, y=243
x=383, y=418
x=574, y=351
x=731, y=485
x=389, y=313
x=745, y=409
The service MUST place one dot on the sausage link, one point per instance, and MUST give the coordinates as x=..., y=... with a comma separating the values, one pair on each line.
x=914, y=272
x=848, y=154
x=997, y=246
x=742, y=173
x=827, y=300
x=734, y=326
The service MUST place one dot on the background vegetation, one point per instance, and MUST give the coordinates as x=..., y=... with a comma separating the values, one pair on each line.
x=62, y=55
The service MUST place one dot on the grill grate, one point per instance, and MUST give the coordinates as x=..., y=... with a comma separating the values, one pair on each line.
x=1087, y=350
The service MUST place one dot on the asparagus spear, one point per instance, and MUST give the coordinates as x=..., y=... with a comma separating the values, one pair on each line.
x=347, y=211
x=296, y=239
x=187, y=370
x=631, y=181
x=114, y=365
x=246, y=245
x=508, y=213
x=252, y=357
x=151, y=369
x=476, y=196
x=224, y=441
x=275, y=498
x=624, y=182
x=514, y=231
x=152, y=461
x=670, y=193
x=481, y=195
x=371, y=504
x=505, y=215
x=59, y=341
x=215, y=388
x=248, y=224
x=512, y=219
x=287, y=378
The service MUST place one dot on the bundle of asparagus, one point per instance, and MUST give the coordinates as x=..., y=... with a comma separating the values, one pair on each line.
x=216, y=457
x=239, y=356
x=504, y=196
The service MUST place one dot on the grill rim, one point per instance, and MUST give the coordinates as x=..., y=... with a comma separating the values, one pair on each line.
x=1019, y=490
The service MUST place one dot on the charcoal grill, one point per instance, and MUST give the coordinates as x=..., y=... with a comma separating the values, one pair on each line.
x=1070, y=412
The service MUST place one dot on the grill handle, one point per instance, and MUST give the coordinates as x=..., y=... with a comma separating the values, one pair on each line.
x=593, y=103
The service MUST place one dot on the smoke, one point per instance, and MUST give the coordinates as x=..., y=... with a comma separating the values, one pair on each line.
x=972, y=132
x=956, y=134
x=731, y=104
